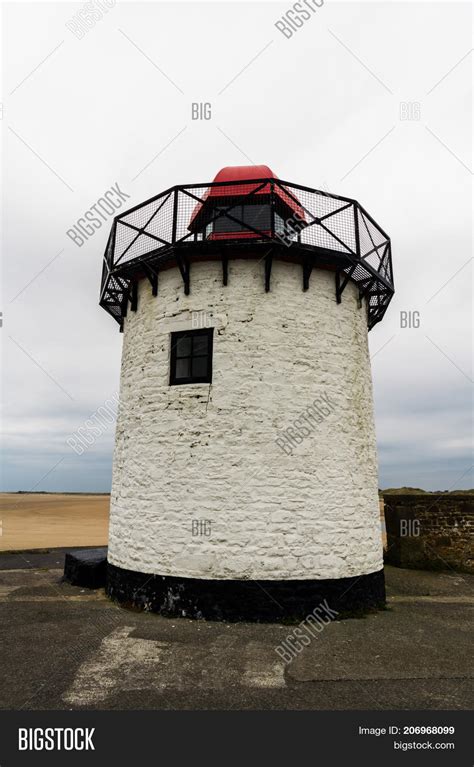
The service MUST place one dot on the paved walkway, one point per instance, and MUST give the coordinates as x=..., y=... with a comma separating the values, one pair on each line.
x=64, y=647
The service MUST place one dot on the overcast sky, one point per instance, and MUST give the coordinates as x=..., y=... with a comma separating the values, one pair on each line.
x=322, y=108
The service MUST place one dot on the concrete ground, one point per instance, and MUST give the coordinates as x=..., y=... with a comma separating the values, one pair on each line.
x=68, y=648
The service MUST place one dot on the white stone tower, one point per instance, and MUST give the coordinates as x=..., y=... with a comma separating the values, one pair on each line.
x=245, y=468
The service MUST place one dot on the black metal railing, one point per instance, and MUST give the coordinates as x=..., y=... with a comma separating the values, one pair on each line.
x=184, y=222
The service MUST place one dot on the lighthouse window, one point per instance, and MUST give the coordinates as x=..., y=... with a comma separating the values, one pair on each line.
x=191, y=357
x=225, y=224
x=255, y=215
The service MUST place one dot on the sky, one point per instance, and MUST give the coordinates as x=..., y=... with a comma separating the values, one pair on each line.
x=368, y=100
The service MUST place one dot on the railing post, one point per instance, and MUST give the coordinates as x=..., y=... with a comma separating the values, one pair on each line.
x=175, y=216
x=110, y=248
x=272, y=209
x=356, y=230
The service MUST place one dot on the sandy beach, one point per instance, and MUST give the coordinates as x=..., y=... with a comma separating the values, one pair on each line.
x=37, y=521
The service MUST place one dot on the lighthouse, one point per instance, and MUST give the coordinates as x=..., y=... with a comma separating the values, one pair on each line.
x=245, y=468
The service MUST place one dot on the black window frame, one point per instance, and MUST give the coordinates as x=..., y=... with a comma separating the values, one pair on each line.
x=175, y=337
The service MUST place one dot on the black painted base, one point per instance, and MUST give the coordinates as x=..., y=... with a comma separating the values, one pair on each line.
x=239, y=600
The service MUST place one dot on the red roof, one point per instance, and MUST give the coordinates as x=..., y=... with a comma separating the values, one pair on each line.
x=245, y=173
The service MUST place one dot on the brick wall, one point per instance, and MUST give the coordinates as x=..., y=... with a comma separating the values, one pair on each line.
x=430, y=532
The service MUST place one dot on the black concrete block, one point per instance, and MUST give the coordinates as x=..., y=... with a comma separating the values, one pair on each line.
x=86, y=567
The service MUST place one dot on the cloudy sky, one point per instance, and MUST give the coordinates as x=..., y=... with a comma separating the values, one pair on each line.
x=368, y=100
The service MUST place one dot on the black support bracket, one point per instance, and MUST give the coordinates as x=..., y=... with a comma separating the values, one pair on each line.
x=153, y=279
x=341, y=285
x=225, y=270
x=124, y=304
x=268, y=270
x=307, y=269
x=183, y=266
x=134, y=296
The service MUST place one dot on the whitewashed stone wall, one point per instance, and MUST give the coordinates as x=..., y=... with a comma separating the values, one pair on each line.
x=209, y=452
